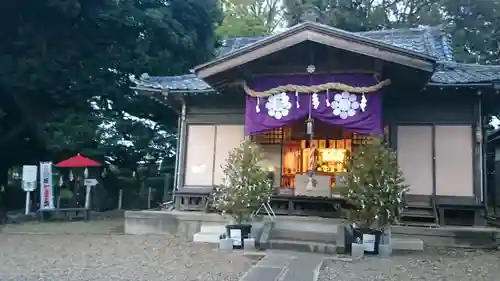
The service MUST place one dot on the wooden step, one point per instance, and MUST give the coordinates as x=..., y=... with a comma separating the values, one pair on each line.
x=419, y=224
x=418, y=213
x=419, y=205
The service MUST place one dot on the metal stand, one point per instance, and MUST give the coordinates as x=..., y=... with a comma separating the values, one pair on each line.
x=269, y=210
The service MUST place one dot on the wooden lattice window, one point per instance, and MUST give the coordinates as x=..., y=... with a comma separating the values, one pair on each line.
x=275, y=136
x=360, y=140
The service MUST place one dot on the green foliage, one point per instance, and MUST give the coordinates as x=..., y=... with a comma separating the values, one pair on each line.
x=64, y=84
x=375, y=186
x=249, y=17
x=351, y=15
x=235, y=25
x=476, y=29
x=475, y=25
x=246, y=184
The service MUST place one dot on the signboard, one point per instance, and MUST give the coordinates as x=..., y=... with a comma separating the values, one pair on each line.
x=369, y=242
x=46, y=191
x=235, y=234
x=90, y=182
x=30, y=173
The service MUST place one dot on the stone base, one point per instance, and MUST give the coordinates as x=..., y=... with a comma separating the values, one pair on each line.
x=407, y=244
x=182, y=224
x=307, y=230
x=303, y=246
x=201, y=237
x=209, y=233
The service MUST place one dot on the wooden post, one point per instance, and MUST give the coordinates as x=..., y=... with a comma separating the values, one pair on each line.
x=177, y=203
x=149, y=197
x=166, y=188
x=88, y=190
x=120, y=199
x=27, y=204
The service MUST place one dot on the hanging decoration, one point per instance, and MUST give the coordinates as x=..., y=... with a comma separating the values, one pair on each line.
x=278, y=105
x=345, y=105
x=363, y=103
x=315, y=100
x=301, y=89
x=311, y=182
x=351, y=102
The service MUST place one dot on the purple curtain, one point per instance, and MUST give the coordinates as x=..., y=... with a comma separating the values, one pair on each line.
x=332, y=107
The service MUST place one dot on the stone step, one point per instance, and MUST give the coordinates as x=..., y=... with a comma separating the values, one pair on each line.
x=398, y=244
x=407, y=244
x=213, y=228
x=306, y=225
x=209, y=233
x=298, y=235
x=302, y=246
x=203, y=237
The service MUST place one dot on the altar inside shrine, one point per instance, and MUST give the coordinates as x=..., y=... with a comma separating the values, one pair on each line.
x=315, y=123
x=331, y=158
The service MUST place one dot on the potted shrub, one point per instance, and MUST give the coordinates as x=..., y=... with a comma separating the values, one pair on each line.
x=375, y=189
x=245, y=186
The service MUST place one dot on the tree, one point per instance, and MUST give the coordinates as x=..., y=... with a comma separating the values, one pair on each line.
x=475, y=29
x=375, y=186
x=350, y=15
x=249, y=17
x=64, y=78
x=246, y=185
x=475, y=25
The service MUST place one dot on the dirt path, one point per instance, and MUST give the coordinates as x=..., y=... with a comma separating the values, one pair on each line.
x=115, y=257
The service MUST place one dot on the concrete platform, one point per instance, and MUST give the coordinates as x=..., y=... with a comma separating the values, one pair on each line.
x=209, y=233
x=203, y=237
x=183, y=224
x=398, y=244
x=306, y=229
x=285, y=266
x=303, y=246
x=451, y=236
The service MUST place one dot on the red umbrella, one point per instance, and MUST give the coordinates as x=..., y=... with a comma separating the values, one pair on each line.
x=78, y=161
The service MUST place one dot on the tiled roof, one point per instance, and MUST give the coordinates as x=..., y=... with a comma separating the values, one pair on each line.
x=432, y=41
x=230, y=45
x=450, y=73
x=427, y=40
x=460, y=73
x=187, y=82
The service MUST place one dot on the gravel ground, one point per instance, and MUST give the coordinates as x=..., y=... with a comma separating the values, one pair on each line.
x=436, y=264
x=76, y=257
